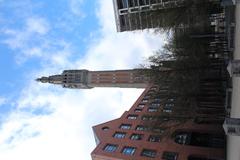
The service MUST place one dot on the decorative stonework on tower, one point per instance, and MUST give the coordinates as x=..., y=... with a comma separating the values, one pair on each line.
x=84, y=79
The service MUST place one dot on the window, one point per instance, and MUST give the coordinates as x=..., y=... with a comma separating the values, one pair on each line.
x=146, y=96
x=140, y=128
x=167, y=110
x=149, y=153
x=145, y=100
x=157, y=100
x=153, y=1
x=153, y=88
x=152, y=109
x=110, y=148
x=151, y=92
x=170, y=99
x=141, y=105
x=125, y=126
x=105, y=128
x=136, y=136
x=200, y=139
x=182, y=138
x=154, y=138
x=231, y=130
x=155, y=105
x=138, y=110
x=168, y=107
x=149, y=118
x=122, y=4
x=158, y=130
x=132, y=116
x=170, y=155
x=119, y=135
x=169, y=104
x=128, y=150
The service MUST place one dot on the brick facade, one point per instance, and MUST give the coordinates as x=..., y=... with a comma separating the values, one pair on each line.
x=121, y=147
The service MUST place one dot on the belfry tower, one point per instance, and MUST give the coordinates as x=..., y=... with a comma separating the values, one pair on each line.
x=84, y=79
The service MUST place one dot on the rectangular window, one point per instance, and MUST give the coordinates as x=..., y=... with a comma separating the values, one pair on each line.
x=128, y=150
x=132, y=116
x=153, y=88
x=119, y=135
x=122, y=4
x=170, y=99
x=152, y=109
x=153, y=1
x=141, y=105
x=155, y=105
x=158, y=130
x=231, y=130
x=169, y=104
x=110, y=148
x=154, y=138
x=145, y=100
x=149, y=153
x=140, y=128
x=157, y=100
x=167, y=110
x=151, y=92
x=143, y=2
x=168, y=107
x=136, y=137
x=146, y=96
x=125, y=126
x=138, y=110
x=169, y=155
x=149, y=118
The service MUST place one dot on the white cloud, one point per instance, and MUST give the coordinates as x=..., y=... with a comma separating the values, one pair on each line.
x=25, y=40
x=65, y=132
x=37, y=25
x=76, y=7
x=3, y=100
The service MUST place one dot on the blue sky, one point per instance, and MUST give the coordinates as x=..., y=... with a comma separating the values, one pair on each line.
x=41, y=121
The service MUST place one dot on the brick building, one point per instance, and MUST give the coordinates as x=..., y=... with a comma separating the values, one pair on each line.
x=128, y=138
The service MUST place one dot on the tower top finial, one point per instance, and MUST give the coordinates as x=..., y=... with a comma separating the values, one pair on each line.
x=43, y=79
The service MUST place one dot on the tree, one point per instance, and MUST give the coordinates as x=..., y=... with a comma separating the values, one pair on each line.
x=184, y=71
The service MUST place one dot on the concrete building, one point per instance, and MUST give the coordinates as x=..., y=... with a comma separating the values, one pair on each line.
x=141, y=14
x=136, y=14
x=84, y=79
x=129, y=138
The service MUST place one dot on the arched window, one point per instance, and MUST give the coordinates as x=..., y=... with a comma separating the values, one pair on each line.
x=199, y=139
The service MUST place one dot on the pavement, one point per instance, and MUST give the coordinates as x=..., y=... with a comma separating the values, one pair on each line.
x=233, y=142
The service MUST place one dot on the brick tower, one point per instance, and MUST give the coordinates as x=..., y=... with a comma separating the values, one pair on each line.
x=84, y=79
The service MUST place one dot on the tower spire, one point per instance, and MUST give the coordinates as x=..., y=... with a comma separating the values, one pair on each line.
x=84, y=79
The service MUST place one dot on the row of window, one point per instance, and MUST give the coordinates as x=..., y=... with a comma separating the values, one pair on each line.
x=145, y=117
x=134, y=3
x=154, y=107
x=135, y=136
x=140, y=128
x=128, y=150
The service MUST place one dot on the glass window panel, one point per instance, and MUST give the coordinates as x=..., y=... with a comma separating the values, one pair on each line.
x=110, y=148
x=128, y=150
x=149, y=153
x=125, y=126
